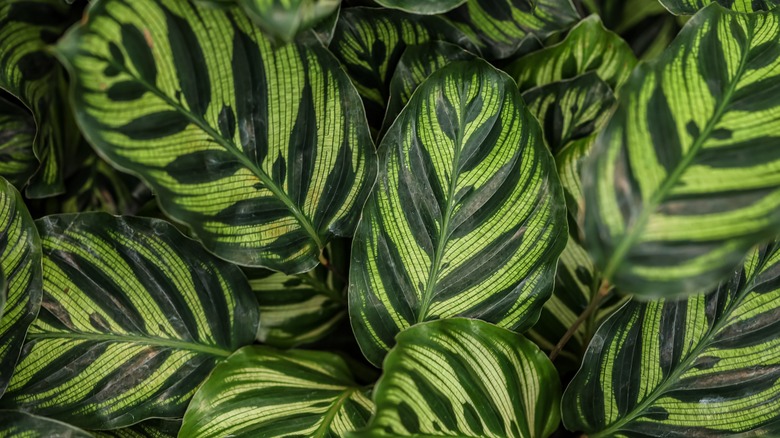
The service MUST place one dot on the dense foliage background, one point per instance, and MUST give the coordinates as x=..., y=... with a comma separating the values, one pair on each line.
x=324, y=218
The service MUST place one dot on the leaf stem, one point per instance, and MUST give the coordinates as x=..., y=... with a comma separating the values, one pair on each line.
x=603, y=291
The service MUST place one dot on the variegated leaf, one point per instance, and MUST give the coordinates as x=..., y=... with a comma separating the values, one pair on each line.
x=425, y=7
x=284, y=19
x=708, y=365
x=264, y=152
x=690, y=7
x=467, y=218
x=18, y=424
x=465, y=378
x=17, y=132
x=262, y=392
x=135, y=316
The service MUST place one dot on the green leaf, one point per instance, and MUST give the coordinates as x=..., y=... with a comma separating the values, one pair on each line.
x=426, y=7
x=467, y=218
x=369, y=42
x=155, y=428
x=18, y=424
x=135, y=316
x=17, y=132
x=503, y=26
x=690, y=7
x=284, y=19
x=20, y=271
x=262, y=392
x=30, y=73
x=708, y=365
x=589, y=47
x=263, y=152
x=465, y=378
x=572, y=109
x=415, y=65
x=684, y=179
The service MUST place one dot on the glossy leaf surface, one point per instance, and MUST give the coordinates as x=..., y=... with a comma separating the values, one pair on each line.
x=24, y=425
x=426, y=7
x=690, y=7
x=284, y=19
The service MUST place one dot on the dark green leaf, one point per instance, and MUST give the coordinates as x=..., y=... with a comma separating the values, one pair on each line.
x=18, y=424
x=284, y=19
x=17, y=131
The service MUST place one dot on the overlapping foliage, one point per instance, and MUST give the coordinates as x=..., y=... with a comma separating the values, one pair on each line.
x=429, y=218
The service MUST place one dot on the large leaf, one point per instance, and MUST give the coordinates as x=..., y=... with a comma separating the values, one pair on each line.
x=135, y=316
x=262, y=392
x=708, y=365
x=17, y=132
x=465, y=378
x=684, y=178
x=467, y=218
x=369, y=42
x=264, y=152
x=427, y=7
x=690, y=7
x=20, y=272
x=30, y=73
x=17, y=424
x=588, y=47
x=284, y=19
x=503, y=26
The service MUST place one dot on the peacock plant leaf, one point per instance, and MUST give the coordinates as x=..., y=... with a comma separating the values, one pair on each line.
x=370, y=41
x=690, y=7
x=708, y=365
x=502, y=27
x=284, y=19
x=589, y=47
x=684, y=179
x=32, y=74
x=135, y=316
x=467, y=218
x=424, y=7
x=25, y=425
x=17, y=134
x=263, y=392
x=264, y=152
x=465, y=378
x=20, y=277
x=154, y=428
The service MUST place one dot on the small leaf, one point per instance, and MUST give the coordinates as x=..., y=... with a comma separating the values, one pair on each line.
x=135, y=316
x=690, y=7
x=262, y=392
x=465, y=378
x=284, y=19
x=22, y=424
x=708, y=365
x=467, y=218
x=425, y=7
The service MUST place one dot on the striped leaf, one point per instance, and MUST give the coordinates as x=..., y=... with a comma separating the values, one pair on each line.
x=708, y=365
x=427, y=7
x=684, y=180
x=20, y=271
x=284, y=19
x=415, y=65
x=262, y=392
x=18, y=424
x=467, y=218
x=146, y=429
x=572, y=109
x=690, y=7
x=263, y=152
x=17, y=132
x=370, y=41
x=503, y=26
x=465, y=378
x=135, y=316
x=589, y=47
x=30, y=73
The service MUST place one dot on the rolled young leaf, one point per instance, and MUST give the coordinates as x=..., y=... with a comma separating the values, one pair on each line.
x=708, y=365
x=467, y=218
x=284, y=19
x=262, y=392
x=465, y=378
x=264, y=152
x=684, y=179
x=23, y=424
x=690, y=7
x=20, y=272
x=17, y=134
x=135, y=316
x=426, y=7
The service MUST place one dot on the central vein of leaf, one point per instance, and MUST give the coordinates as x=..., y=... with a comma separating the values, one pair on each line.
x=324, y=426
x=145, y=340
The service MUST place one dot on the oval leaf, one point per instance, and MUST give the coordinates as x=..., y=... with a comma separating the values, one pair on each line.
x=708, y=365
x=264, y=152
x=20, y=270
x=262, y=392
x=465, y=378
x=284, y=19
x=677, y=193
x=690, y=7
x=467, y=218
x=22, y=424
x=17, y=160
x=135, y=317
x=426, y=7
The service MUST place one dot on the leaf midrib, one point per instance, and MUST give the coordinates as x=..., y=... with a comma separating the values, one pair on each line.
x=330, y=414
x=146, y=340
